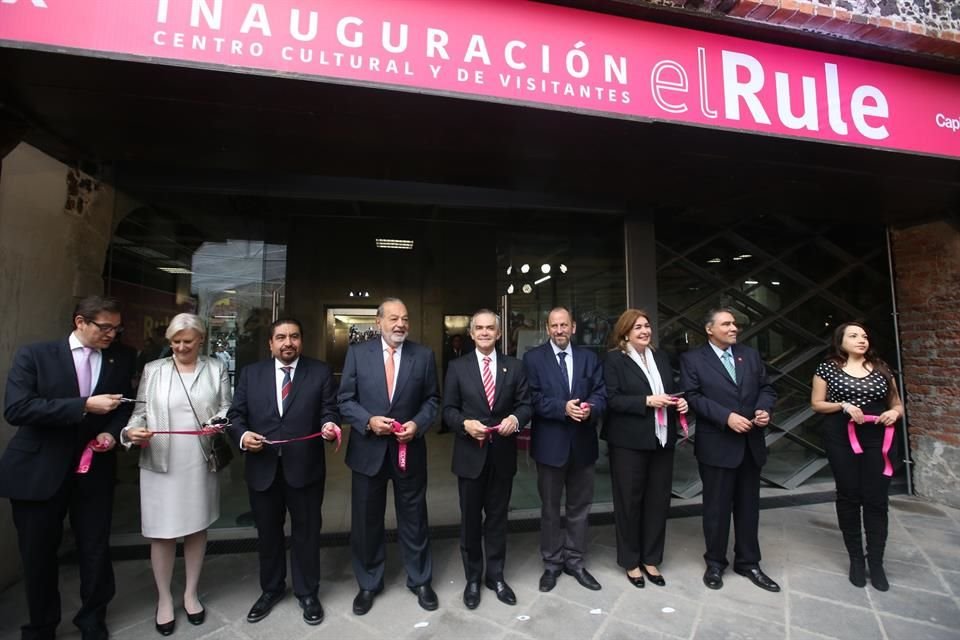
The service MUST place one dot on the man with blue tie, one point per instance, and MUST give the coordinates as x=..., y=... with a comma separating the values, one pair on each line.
x=568, y=396
x=726, y=386
x=65, y=398
x=389, y=396
x=288, y=397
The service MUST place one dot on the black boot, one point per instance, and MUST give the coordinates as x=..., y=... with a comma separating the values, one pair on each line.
x=876, y=525
x=848, y=517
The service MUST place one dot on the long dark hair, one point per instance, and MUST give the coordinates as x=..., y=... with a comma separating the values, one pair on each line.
x=839, y=357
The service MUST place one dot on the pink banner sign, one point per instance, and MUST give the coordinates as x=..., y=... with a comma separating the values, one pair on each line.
x=520, y=52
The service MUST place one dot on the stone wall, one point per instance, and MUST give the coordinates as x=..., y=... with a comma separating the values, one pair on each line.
x=55, y=226
x=927, y=265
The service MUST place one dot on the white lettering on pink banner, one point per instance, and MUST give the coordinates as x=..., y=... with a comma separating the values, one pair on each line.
x=521, y=52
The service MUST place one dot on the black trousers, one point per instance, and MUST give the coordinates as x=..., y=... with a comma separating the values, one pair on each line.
x=563, y=542
x=484, y=503
x=368, y=504
x=642, y=481
x=270, y=508
x=88, y=500
x=735, y=491
x=862, y=489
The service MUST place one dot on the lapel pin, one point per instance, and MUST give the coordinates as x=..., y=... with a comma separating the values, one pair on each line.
x=504, y=369
x=109, y=360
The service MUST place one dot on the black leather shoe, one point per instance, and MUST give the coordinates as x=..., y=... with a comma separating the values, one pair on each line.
x=549, y=579
x=196, y=618
x=637, y=582
x=654, y=579
x=878, y=577
x=471, y=595
x=759, y=578
x=583, y=577
x=713, y=578
x=364, y=601
x=426, y=597
x=504, y=593
x=261, y=608
x=163, y=628
x=312, y=610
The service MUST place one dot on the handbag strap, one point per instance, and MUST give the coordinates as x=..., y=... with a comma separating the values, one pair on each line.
x=190, y=402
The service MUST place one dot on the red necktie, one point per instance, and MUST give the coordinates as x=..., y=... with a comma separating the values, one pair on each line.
x=287, y=385
x=488, y=385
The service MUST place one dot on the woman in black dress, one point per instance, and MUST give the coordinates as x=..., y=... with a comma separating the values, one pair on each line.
x=853, y=386
x=640, y=427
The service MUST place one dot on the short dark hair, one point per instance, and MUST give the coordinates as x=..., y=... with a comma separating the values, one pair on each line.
x=288, y=320
x=90, y=307
x=711, y=314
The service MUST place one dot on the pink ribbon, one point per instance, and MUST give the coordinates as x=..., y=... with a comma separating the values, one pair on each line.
x=885, y=449
x=86, y=458
x=490, y=431
x=662, y=417
x=401, y=448
x=319, y=434
x=206, y=430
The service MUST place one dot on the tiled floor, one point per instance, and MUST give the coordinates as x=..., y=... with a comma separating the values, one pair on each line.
x=802, y=550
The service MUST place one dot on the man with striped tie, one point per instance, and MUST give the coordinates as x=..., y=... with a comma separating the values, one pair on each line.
x=486, y=401
x=289, y=398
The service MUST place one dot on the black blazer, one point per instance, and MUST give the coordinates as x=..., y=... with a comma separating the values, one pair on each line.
x=43, y=400
x=713, y=396
x=363, y=394
x=629, y=422
x=465, y=399
x=555, y=438
x=312, y=403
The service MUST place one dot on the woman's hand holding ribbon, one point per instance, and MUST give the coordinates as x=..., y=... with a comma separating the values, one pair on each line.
x=888, y=417
x=855, y=413
x=139, y=436
x=660, y=400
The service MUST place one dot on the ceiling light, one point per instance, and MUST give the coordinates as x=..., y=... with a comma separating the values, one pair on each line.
x=714, y=261
x=510, y=289
x=525, y=268
x=545, y=268
x=394, y=243
x=543, y=279
x=351, y=294
x=509, y=269
x=750, y=282
x=527, y=288
x=563, y=268
x=743, y=256
x=735, y=259
x=775, y=283
x=175, y=270
x=230, y=291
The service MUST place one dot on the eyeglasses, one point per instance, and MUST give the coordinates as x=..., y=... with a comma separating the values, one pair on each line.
x=106, y=328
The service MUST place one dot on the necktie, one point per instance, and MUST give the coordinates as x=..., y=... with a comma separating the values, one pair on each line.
x=390, y=369
x=488, y=385
x=285, y=387
x=563, y=369
x=85, y=373
x=727, y=359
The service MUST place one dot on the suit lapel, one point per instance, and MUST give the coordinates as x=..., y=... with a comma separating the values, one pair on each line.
x=299, y=376
x=553, y=364
x=500, y=379
x=714, y=362
x=635, y=369
x=107, y=366
x=65, y=356
x=406, y=369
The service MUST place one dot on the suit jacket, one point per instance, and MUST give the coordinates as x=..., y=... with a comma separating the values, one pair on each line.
x=312, y=403
x=629, y=422
x=43, y=400
x=209, y=393
x=465, y=399
x=556, y=438
x=363, y=394
x=713, y=396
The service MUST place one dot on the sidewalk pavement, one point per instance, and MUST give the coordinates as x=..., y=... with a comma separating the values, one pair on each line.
x=802, y=550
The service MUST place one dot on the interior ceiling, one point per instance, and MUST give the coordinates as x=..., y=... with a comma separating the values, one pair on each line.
x=167, y=132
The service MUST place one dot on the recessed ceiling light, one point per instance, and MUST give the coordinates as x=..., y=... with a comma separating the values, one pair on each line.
x=175, y=270
x=527, y=288
x=510, y=289
x=525, y=268
x=545, y=268
x=714, y=261
x=394, y=243
x=750, y=282
x=563, y=268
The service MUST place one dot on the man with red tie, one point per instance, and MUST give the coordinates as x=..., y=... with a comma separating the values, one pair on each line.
x=64, y=397
x=288, y=397
x=486, y=401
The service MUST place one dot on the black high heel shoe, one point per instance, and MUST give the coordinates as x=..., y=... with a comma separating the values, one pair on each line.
x=655, y=579
x=164, y=628
x=196, y=618
x=636, y=581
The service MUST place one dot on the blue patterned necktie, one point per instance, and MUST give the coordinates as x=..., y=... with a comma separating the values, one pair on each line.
x=563, y=369
x=727, y=359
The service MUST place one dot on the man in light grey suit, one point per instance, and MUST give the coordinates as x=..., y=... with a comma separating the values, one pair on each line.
x=387, y=382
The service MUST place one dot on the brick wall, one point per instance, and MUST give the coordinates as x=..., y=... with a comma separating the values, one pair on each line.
x=930, y=27
x=927, y=265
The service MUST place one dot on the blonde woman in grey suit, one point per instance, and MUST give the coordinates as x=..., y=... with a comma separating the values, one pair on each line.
x=179, y=495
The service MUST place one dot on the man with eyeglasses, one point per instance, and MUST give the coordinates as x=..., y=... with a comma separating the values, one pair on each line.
x=65, y=398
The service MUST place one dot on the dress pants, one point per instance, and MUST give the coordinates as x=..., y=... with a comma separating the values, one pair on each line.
x=487, y=495
x=563, y=543
x=738, y=491
x=642, y=482
x=270, y=507
x=368, y=503
x=88, y=499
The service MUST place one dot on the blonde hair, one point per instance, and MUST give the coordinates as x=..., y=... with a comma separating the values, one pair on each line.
x=184, y=322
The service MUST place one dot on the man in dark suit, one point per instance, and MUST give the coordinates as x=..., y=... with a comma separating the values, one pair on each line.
x=726, y=386
x=386, y=381
x=484, y=389
x=569, y=396
x=288, y=396
x=63, y=395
